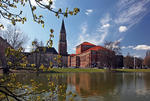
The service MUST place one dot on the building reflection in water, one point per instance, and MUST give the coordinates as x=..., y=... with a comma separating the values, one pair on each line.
x=96, y=86
x=111, y=86
x=93, y=84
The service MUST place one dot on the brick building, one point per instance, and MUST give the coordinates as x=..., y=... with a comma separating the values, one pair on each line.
x=51, y=54
x=46, y=57
x=3, y=45
x=90, y=55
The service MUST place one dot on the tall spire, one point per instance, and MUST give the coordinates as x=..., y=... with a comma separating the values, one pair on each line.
x=63, y=30
x=62, y=46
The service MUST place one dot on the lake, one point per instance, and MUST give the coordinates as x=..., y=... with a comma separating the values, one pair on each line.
x=104, y=86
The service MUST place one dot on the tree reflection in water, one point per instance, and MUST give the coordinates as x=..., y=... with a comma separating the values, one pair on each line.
x=104, y=86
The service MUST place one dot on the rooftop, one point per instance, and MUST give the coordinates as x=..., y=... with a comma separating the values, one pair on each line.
x=87, y=43
x=51, y=50
x=97, y=48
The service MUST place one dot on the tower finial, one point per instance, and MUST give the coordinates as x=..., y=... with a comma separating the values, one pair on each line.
x=63, y=30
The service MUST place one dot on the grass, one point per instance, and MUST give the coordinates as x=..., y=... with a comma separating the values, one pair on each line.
x=132, y=70
x=72, y=70
x=62, y=70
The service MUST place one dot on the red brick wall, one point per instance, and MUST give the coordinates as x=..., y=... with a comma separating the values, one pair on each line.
x=101, y=57
x=3, y=46
x=82, y=48
x=69, y=61
x=85, y=59
x=78, y=49
x=91, y=58
x=62, y=48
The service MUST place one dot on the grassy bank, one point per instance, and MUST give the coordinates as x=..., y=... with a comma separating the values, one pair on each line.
x=77, y=70
x=97, y=70
x=69, y=70
x=131, y=70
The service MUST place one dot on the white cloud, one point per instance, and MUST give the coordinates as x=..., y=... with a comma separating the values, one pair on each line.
x=84, y=28
x=28, y=48
x=5, y=23
x=45, y=2
x=138, y=47
x=123, y=29
x=127, y=47
x=99, y=36
x=88, y=11
x=130, y=12
x=130, y=46
x=103, y=29
x=123, y=47
x=106, y=25
x=142, y=47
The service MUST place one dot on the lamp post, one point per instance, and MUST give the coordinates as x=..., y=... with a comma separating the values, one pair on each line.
x=134, y=62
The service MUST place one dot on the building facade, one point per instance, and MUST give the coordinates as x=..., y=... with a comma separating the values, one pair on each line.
x=89, y=55
x=50, y=54
x=3, y=45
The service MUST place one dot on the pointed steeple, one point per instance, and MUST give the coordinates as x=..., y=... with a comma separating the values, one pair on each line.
x=63, y=30
x=62, y=46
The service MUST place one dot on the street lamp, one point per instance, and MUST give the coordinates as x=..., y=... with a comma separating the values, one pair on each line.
x=134, y=62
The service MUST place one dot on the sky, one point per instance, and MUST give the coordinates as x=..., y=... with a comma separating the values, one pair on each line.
x=124, y=21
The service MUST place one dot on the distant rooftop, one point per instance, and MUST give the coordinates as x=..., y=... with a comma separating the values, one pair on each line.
x=97, y=48
x=51, y=50
x=87, y=43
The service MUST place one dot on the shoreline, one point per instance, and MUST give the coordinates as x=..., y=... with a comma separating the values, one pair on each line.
x=76, y=70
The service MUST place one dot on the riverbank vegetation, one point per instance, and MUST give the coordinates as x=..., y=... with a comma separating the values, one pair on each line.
x=131, y=70
x=72, y=70
x=77, y=70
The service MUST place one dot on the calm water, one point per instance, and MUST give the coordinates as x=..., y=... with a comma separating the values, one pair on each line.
x=98, y=86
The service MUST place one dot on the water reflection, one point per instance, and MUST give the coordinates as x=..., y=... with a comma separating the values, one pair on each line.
x=111, y=86
x=93, y=84
x=97, y=86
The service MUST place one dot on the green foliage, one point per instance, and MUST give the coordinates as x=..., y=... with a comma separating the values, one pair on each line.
x=10, y=89
x=7, y=8
x=58, y=60
x=15, y=58
x=64, y=70
x=132, y=70
x=50, y=41
x=13, y=90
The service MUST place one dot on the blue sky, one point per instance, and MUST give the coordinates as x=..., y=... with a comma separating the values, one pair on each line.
x=127, y=21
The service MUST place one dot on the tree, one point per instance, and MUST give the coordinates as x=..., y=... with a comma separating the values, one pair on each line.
x=36, y=50
x=8, y=7
x=147, y=61
x=138, y=62
x=129, y=61
x=39, y=50
x=13, y=90
x=148, y=53
x=132, y=62
x=7, y=11
x=14, y=37
x=114, y=46
x=15, y=58
x=106, y=58
x=58, y=60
